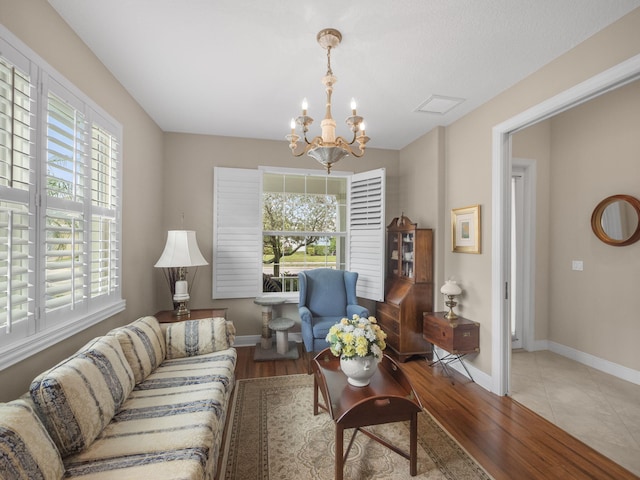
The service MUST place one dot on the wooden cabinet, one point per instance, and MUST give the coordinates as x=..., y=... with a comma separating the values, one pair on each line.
x=408, y=288
x=169, y=316
x=458, y=336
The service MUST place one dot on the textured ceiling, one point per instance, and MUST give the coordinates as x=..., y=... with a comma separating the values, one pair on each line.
x=241, y=67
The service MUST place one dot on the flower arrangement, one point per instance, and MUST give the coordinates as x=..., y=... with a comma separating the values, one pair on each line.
x=357, y=337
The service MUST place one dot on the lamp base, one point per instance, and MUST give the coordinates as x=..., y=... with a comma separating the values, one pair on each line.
x=182, y=310
x=450, y=303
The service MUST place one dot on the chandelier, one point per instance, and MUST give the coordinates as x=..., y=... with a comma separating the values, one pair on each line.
x=327, y=148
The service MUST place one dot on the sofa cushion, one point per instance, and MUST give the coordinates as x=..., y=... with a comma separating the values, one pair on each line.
x=26, y=449
x=143, y=345
x=78, y=397
x=196, y=337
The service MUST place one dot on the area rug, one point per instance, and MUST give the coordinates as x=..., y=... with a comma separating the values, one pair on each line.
x=274, y=435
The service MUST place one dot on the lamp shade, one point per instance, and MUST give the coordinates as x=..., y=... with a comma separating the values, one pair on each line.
x=181, y=250
x=451, y=288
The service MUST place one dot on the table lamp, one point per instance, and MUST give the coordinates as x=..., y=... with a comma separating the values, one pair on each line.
x=451, y=289
x=181, y=251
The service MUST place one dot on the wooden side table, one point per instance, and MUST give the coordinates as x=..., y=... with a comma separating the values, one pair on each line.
x=388, y=398
x=458, y=337
x=169, y=316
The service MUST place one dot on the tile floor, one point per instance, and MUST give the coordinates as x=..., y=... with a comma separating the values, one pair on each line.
x=599, y=409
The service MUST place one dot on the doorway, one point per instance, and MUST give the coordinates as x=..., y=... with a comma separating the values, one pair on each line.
x=610, y=79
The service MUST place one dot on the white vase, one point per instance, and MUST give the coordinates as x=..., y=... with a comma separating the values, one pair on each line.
x=359, y=370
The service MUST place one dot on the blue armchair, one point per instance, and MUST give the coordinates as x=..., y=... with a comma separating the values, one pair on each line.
x=326, y=296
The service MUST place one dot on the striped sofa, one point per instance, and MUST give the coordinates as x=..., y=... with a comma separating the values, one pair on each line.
x=141, y=402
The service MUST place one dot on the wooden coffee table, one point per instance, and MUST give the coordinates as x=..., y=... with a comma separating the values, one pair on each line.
x=388, y=398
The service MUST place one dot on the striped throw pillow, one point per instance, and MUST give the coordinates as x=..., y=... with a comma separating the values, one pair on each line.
x=143, y=345
x=196, y=337
x=78, y=397
x=26, y=449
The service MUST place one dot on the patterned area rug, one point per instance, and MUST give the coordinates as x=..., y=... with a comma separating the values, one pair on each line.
x=275, y=436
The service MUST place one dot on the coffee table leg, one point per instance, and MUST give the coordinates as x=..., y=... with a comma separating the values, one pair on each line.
x=339, y=452
x=413, y=445
x=315, y=395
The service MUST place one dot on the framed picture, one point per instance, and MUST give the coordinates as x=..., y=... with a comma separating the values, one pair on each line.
x=465, y=229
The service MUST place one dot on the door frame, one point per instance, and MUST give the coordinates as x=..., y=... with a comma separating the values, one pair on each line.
x=610, y=79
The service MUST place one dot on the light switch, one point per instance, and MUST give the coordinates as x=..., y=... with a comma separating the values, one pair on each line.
x=577, y=265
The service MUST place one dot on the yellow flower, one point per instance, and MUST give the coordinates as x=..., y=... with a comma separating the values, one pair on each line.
x=362, y=350
x=347, y=338
x=348, y=351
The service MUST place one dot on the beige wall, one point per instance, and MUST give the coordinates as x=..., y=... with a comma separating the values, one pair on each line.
x=469, y=156
x=40, y=27
x=188, y=189
x=421, y=194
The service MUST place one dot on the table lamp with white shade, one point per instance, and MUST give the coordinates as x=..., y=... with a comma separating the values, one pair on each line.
x=181, y=251
x=451, y=289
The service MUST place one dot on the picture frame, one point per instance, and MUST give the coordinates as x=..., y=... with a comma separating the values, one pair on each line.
x=465, y=229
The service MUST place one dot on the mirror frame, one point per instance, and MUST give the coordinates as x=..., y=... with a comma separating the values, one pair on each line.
x=596, y=220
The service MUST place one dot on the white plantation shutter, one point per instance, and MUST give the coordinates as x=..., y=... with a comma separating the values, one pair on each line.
x=105, y=201
x=66, y=243
x=60, y=174
x=17, y=196
x=367, y=232
x=16, y=272
x=237, y=233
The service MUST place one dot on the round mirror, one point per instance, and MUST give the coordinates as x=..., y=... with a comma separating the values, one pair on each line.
x=616, y=220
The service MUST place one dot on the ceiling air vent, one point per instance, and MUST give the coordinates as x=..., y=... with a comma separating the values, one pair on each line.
x=439, y=104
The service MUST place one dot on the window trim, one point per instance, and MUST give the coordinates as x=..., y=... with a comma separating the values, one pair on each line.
x=98, y=308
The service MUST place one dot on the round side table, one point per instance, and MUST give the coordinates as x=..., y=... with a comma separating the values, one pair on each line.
x=281, y=326
x=267, y=304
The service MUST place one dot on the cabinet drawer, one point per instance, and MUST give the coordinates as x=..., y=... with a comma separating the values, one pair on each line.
x=388, y=321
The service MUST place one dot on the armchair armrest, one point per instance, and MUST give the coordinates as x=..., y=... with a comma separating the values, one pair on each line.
x=359, y=310
x=305, y=315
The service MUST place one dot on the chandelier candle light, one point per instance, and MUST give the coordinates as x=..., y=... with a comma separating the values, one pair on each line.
x=327, y=148
x=451, y=289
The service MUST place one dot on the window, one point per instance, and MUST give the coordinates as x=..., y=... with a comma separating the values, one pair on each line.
x=271, y=223
x=304, y=226
x=59, y=206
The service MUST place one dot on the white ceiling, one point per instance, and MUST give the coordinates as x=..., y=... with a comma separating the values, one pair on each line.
x=241, y=67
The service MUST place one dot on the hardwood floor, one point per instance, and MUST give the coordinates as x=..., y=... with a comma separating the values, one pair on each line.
x=508, y=440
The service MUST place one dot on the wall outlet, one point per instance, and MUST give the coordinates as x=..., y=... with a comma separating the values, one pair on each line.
x=577, y=265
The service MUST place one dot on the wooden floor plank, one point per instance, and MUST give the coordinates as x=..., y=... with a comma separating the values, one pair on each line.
x=507, y=439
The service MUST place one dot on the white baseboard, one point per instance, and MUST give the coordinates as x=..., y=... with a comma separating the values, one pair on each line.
x=617, y=370
x=478, y=375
